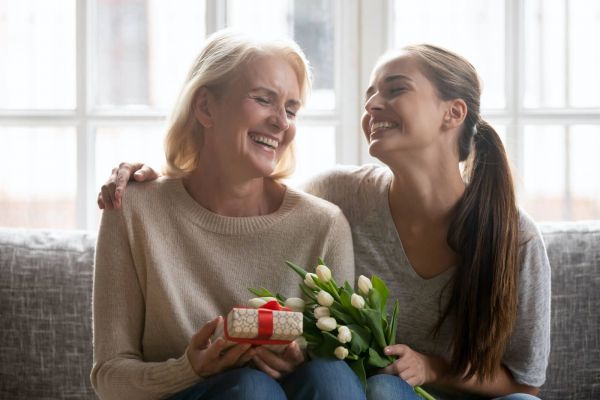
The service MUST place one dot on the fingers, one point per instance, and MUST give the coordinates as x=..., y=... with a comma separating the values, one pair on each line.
x=275, y=362
x=120, y=181
x=100, y=201
x=145, y=172
x=294, y=354
x=201, y=339
x=234, y=353
x=264, y=367
x=396, y=350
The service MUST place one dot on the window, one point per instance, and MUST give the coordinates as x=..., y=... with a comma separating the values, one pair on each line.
x=540, y=87
x=89, y=83
x=85, y=84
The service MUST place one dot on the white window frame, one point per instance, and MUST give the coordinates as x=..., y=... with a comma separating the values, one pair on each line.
x=376, y=36
x=363, y=32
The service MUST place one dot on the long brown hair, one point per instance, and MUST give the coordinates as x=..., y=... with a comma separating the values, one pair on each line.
x=484, y=228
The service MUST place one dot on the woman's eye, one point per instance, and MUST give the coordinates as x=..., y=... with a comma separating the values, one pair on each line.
x=290, y=113
x=262, y=100
x=397, y=90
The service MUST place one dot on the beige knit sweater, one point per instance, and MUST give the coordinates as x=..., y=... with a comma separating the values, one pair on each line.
x=165, y=266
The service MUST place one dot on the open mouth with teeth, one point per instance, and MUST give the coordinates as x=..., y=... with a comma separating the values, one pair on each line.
x=379, y=126
x=265, y=141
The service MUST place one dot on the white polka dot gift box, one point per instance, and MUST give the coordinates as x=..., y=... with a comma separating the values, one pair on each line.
x=270, y=324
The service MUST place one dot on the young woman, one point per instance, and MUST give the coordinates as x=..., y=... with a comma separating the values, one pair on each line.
x=468, y=267
x=185, y=249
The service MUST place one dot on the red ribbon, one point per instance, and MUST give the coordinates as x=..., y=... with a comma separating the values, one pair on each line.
x=265, y=325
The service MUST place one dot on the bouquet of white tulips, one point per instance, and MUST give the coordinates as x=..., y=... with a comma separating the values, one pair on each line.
x=354, y=327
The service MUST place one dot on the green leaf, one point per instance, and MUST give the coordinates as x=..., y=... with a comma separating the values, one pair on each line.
x=321, y=261
x=341, y=314
x=381, y=287
x=308, y=292
x=376, y=360
x=298, y=269
x=327, y=346
x=262, y=292
x=373, y=318
x=376, y=302
x=359, y=369
x=393, y=325
x=383, y=292
x=361, y=338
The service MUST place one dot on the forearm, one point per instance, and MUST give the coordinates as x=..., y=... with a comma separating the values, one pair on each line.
x=502, y=382
x=134, y=379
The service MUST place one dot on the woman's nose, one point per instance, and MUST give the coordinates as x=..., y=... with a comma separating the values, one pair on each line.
x=374, y=102
x=280, y=119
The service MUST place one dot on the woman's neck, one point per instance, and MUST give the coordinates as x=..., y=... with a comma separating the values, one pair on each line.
x=234, y=198
x=425, y=193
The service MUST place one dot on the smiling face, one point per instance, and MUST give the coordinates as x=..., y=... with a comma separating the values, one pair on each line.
x=253, y=120
x=403, y=111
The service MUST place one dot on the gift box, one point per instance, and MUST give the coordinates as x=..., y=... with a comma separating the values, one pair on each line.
x=271, y=324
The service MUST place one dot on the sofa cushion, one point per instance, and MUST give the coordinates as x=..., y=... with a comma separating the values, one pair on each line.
x=45, y=306
x=574, y=366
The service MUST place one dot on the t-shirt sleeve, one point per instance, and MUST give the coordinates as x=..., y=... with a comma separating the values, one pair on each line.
x=529, y=345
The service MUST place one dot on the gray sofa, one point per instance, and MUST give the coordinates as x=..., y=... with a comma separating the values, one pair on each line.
x=45, y=313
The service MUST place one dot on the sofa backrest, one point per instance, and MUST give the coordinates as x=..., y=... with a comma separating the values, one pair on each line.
x=574, y=366
x=45, y=313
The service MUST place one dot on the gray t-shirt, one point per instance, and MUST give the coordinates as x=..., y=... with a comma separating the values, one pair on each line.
x=362, y=194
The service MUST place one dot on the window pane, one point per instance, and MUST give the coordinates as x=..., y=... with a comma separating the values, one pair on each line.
x=544, y=81
x=549, y=58
x=585, y=172
x=585, y=55
x=38, y=177
x=309, y=22
x=474, y=29
x=315, y=152
x=37, y=47
x=143, y=50
x=544, y=166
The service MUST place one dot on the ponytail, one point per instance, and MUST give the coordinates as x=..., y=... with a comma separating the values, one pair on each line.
x=484, y=233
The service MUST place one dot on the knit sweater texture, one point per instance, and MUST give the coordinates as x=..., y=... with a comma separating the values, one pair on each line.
x=165, y=266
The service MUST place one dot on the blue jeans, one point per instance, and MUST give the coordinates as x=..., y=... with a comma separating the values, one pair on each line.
x=318, y=379
x=384, y=386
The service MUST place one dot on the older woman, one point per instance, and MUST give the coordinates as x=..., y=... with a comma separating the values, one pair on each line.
x=186, y=247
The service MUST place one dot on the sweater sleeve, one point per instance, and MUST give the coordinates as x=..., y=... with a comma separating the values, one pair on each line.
x=119, y=370
x=338, y=250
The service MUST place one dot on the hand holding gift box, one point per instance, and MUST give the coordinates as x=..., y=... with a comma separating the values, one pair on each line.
x=270, y=325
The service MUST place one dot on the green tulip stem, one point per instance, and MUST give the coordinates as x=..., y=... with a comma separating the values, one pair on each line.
x=423, y=393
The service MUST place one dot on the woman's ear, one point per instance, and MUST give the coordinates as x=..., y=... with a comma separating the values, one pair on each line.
x=202, y=107
x=455, y=114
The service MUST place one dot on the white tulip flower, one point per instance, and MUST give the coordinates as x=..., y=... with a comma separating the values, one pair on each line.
x=295, y=304
x=326, y=324
x=321, y=312
x=257, y=302
x=357, y=301
x=344, y=334
x=308, y=280
x=325, y=299
x=341, y=352
x=364, y=285
x=323, y=273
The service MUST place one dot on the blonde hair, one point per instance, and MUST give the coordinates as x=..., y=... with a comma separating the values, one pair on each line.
x=223, y=54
